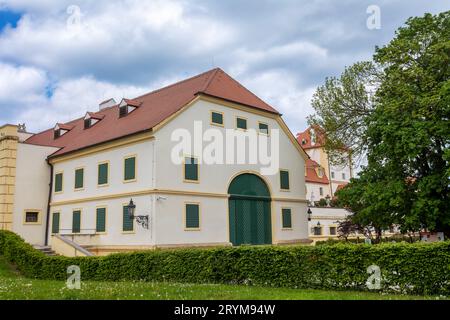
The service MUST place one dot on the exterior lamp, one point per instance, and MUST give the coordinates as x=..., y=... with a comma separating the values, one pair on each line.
x=141, y=220
x=309, y=214
x=318, y=223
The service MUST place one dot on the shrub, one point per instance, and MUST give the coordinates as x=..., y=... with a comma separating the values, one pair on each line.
x=417, y=268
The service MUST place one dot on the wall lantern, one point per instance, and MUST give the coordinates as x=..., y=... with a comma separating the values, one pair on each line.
x=309, y=214
x=141, y=220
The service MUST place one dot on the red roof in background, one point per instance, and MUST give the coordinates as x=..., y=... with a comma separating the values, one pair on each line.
x=341, y=186
x=154, y=107
x=311, y=174
x=304, y=138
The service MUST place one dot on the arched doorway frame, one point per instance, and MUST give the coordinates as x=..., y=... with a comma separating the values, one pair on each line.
x=272, y=212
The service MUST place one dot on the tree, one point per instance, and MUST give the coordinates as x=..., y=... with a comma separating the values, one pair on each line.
x=405, y=131
x=342, y=106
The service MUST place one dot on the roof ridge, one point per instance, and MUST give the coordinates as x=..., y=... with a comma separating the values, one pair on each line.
x=175, y=84
x=209, y=80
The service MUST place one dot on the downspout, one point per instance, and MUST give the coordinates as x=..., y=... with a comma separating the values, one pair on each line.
x=47, y=222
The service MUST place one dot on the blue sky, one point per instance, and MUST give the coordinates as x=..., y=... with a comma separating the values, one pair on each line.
x=60, y=58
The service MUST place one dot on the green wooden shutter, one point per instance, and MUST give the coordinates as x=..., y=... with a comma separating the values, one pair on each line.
x=263, y=128
x=76, y=221
x=217, y=118
x=190, y=169
x=241, y=123
x=55, y=222
x=58, y=182
x=101, y=220
x=127, y=224
x=103, y=173
x=284, y=179
x=192, y=216
x=287, y=218
x=130, y=168
x=79, y=178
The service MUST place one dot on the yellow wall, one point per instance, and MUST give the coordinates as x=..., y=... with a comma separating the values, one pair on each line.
x=8, y=153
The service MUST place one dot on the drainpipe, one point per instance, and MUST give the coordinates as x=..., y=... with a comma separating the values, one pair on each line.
x=47, y=222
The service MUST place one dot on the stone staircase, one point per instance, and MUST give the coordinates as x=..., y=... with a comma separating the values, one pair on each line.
x=47, y=250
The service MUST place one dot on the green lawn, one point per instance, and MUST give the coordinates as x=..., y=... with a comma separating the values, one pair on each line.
x=14, y=286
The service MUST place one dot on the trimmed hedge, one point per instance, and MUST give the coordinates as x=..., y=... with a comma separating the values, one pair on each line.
x=417, y=268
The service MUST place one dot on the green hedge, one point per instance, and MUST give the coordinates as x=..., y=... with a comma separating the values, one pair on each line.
x=407, y=268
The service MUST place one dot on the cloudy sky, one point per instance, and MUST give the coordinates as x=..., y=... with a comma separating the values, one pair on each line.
x=60, y=58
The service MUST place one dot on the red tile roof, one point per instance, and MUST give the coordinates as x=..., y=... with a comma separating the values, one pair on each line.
x=154, y=107
x=311, y=173
x=304, y=138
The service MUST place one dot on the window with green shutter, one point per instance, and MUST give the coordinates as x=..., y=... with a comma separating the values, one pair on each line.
x=55, y=222
x=217, y=118
x=192, y=216
x=130, y=169
x=103, y=173
x=241, y=123
x=59, y=182
x=127, y=224
x=284, y=179
x=263, y=128
x=190, y=169
x=76, y=221
x=100, y=225
x=79, y=178
x=287, y=218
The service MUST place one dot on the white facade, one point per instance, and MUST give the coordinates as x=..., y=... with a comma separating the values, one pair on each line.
x=159, y=189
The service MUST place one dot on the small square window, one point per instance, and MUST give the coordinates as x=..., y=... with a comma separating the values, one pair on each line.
x=263, y=128
x=317, y=231
x=57, y=134
x=32, y=217
x=321, y=191
x=217, y=118
x=241, y=123
x=332, y=175
x=87, y=123
x=343, y=176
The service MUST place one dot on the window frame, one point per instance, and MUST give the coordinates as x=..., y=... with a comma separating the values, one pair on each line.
x=184, y=170
x=289, y=180
x=335, y=230
x=186, y=228
x=215, y=123
x=59, y=222
x=133, y=222
x=39, y=216
x=98, y=173
x=282, y=218
x=75, y=179
x=62, y=182
x=241, y=118
x=259, y=128
x=106, y=219
x=124, y=168
x=81, y=213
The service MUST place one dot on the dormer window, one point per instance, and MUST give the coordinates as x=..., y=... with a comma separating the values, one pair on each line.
x=127, y=106
x=303, y=141
x=91, y=118
x=87, y=123
x=60, y=129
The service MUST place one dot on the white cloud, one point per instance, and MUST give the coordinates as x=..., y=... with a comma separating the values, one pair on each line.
x=280, y=89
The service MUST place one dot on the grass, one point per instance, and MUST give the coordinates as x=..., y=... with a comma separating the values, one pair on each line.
x=14, y=286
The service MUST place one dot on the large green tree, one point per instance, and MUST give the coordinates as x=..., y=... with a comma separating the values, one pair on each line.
x=406, y=133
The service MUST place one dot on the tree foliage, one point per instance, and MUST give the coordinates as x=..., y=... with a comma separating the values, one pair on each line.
x=406, y=131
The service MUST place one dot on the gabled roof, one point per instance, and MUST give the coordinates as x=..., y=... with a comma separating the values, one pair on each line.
x=311, y=173
x=154, y=107
x=97, y=116
x=63, y=126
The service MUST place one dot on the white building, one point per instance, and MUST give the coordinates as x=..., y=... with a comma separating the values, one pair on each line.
x=96, y=164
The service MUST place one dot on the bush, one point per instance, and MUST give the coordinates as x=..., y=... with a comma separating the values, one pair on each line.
x=407, y=268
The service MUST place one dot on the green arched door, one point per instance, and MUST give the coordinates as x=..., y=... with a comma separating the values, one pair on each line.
x=249, y=205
